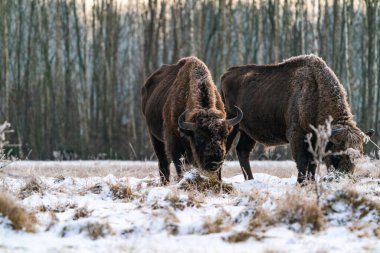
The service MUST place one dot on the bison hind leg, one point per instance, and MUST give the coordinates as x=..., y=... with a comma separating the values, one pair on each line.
x=243, y=149
x=163, y=162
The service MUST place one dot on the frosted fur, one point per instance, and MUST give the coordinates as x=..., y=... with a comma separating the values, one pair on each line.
x=186, y=87
x=282, y=101
x=332, y=101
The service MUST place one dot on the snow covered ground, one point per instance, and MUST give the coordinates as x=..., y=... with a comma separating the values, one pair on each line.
x=83, y=212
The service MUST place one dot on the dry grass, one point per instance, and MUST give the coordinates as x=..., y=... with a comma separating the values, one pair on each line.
x=296, y=209
x=19, y=217
x=138, y=169
x=81, y=212
x=120, y=191
x=94, y=230
x=59, y=207
x=261, y=218
x=195, y=199
x=171, y=222
x=96, y=189
x=97, y=230
x=141, y=169
x=293, y=209
x=360, y=205
x=33, y=185
x=217, y=225
x=376, y=232
x=175, y=201
x=242, y=236
x=198, y=182
x=59, y=179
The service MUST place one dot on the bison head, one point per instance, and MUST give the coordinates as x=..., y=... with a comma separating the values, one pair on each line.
x=207, y=134
x=346, y=143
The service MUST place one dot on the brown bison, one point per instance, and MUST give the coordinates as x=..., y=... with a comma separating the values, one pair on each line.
x=186, y=117
x=281, y=101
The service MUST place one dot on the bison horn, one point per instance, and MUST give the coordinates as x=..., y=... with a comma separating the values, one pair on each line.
x=238, y=117
x=185, y=125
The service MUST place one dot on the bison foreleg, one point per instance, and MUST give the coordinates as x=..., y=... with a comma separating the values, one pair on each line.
x=163, y=163
x=302, y=158
x=243, y=149
x=178, y=156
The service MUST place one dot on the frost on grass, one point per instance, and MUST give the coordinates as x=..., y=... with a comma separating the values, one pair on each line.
x=300, y=213
x=136, y=211
x=219, y=224
x=19, y=218
x=94, y=230
x=349, y=205
x=193, y=180
x=81, y=212
x=32, y=186
x=122, y=191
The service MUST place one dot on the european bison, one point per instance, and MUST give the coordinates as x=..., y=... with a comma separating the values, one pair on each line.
x=186, y=117
x=281, y=101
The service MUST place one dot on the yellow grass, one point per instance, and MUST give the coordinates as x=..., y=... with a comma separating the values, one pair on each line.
x=20, y=219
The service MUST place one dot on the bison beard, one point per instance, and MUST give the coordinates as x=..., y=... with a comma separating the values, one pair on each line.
x=281, y=101
x=186, y=117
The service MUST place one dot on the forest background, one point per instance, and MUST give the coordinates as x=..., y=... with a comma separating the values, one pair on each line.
x=71, y=71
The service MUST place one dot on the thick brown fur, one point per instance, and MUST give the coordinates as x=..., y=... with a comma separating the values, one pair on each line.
x=166, y=94
x=281, y=101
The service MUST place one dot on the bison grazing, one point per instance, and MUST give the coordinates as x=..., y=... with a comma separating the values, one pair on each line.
x=281, y=101
x=186, y=117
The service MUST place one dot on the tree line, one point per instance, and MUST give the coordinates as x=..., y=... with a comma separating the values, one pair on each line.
x=71, y=70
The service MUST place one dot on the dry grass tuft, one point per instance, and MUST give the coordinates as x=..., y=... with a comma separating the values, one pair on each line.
x=62, y=207
x=181, y=202
x=20, y=218
x=81, y=212
x=197, y=182
x=376, y=232
x=34, y=185
x=260, y=218
x=96, y=189
x=97, y=230
x=296, y=209
x=218, y=224
x=171, y=222
x=242, y=236
x=195, y=199
x=360, y=205
x=93, y=230
x=292, y=209
x=59, y=207
x=176, y=201
x=59, y=179
x=120, y=191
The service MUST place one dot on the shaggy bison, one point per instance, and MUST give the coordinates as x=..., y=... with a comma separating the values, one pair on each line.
x=186, y=117
x=281, y=101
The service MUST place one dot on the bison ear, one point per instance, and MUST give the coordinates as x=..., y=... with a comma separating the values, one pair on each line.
x=370, y=133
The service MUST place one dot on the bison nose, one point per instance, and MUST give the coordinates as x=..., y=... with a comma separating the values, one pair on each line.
x=213, y=165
